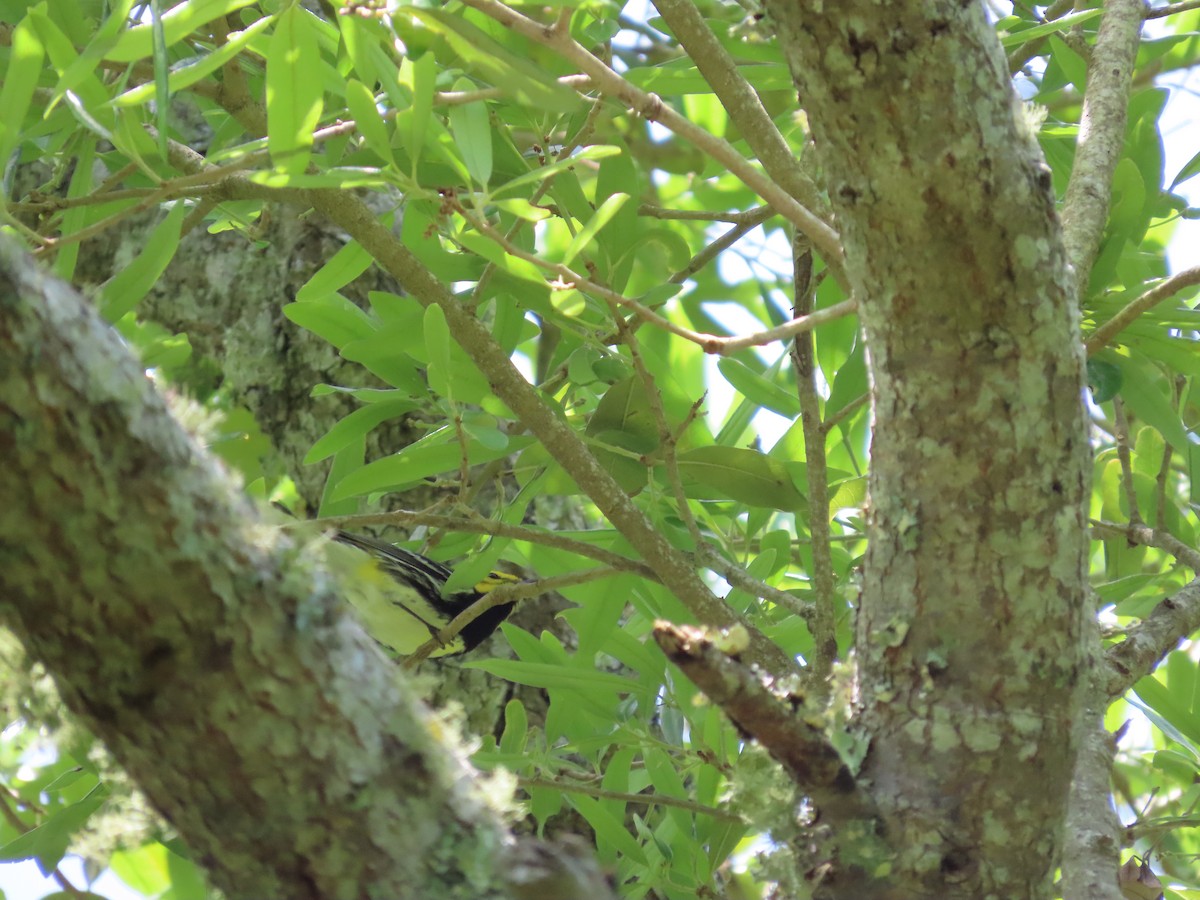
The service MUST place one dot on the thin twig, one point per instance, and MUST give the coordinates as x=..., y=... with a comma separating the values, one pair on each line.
x=824, y=627
x=1164, y=471
x=724, y=346
x=648, y=799
x=845, y=412
x=668, y=438
x=1129, y=313
x=724, y=242
x=458, y=98
x=1121, y=436
x=1150, y=537
x=1171, y=9
x=14, y=822
x=710, y=343
x=739, y=578
x=699, y=215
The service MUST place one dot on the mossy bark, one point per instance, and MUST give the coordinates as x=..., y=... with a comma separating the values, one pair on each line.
x=969, y=632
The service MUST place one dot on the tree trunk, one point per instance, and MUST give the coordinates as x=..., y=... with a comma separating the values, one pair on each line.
x=969, y=631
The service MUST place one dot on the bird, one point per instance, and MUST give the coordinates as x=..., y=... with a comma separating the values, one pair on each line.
x=405, y=610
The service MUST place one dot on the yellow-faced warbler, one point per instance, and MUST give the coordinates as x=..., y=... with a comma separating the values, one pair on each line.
x=407, y=608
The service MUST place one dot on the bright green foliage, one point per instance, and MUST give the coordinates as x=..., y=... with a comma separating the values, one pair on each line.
x=512, y=185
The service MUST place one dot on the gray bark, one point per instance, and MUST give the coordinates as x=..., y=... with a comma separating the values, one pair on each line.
x=969, y=632
x=208, y=652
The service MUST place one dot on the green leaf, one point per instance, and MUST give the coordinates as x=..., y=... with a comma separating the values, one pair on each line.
x=523, y=209
x=847, y=493
x=1174, y=717
x=1104, y=378
x=434, y=455
x=516, y=76
x=1194, y=474
x=370, y=123
x=746, y=476
x=357, y=425
x=437, y=345
x=49, y=841
x=187, y=880
x=85, y=95
x=294, y=91
x=186, y=17
x=124, y=291
x=341, y=177
x=347, y=460
x=759, y=390
x=483, y=428
x=849, y=383
x=1142, y=389
x=625, y=410
x=602, y=217
x=378, y=354
x=553, y=675
x=541, y=173
x=682, y=77
x=1190, y=169
x=516, y=728
x=145, y=869
x=1073, y=65
x=345, y=265
x=1128, y=216
x=493, y=252
x=191, y=71
x=612, y=838
x=332, y=317
x=1063, y=23
x=419, y=233
x=20, y=79
x=424, y=83
x=473, y=134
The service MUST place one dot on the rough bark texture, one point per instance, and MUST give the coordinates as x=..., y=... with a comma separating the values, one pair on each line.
x=969, y=640
x=262, y=723
x=227, y=295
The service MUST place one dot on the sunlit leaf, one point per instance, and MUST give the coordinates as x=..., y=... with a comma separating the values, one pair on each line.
x=294, y=90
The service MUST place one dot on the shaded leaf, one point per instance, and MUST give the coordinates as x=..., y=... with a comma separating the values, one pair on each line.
x=739, y=474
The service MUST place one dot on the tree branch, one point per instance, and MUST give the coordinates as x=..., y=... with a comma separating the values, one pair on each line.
x=138, y=575
x=740, y=100
x=824, y=629
x=1147, y=643
x=1101, y=134
x=1104, y=335
x=1173, y=619
x=1091, y=847
x=776, y=722
x=1171, y=9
